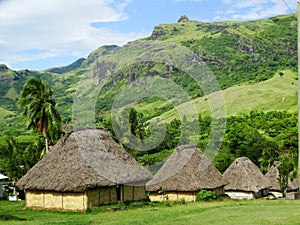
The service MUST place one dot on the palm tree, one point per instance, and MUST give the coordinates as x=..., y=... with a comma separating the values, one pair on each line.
x=39, y=109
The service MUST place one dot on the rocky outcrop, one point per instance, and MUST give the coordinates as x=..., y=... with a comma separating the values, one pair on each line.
x=3, y=67
x=158, y=32
x=183, y=18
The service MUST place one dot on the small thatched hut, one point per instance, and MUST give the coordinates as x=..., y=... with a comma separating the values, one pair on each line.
x=245, y=180
x=86, y=168
x=272, y=176
x=186, y=172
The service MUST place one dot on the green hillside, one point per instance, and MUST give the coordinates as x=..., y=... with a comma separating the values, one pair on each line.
x=252, y=65
x=276, y=94
x=237, y=53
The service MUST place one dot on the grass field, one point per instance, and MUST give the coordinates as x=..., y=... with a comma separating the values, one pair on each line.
x=225, y=212
x=277, y=94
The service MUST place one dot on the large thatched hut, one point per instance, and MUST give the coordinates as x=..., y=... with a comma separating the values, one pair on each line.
x=86, y=168
x=245, y=180
x=272, y=176
x=186, y=172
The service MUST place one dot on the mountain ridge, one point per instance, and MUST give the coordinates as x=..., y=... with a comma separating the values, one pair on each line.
x=236, y=53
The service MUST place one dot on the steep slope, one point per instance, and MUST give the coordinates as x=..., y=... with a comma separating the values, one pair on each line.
x=236, y=52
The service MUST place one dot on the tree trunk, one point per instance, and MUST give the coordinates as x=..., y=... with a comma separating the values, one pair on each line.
x=46, y=142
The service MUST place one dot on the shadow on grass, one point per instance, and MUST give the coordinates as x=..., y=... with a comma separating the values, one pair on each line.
x=6, y=217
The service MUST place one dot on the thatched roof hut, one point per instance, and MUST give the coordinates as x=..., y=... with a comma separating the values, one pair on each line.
x=186, y=172
x=245, y=180
x=272, y=176
x=84, y=159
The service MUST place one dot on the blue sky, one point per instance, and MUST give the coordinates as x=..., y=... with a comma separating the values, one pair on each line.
x=39, y=34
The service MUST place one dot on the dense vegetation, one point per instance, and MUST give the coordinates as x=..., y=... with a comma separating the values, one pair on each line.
x=257, y=59
x=262, y=137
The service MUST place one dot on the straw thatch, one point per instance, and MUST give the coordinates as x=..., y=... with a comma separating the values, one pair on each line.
x=187, y=169
x=272, y=176
x=244, y=175
x=84, y=159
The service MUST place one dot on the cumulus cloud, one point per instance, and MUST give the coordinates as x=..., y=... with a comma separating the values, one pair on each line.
x=255, y=9
x=56, y=27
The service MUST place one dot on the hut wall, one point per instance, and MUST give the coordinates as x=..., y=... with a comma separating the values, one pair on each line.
x=56, y=200
x=277, y=194
x=292, y=195
x=93, y=198
x=155, y=197
x=187, y=196
x=113, y=195
x=239, y=194
x=134, y=193
x=107, y=195
x=128, y=193
x=219, y=191
x=53, y=200
x=101, y=196
x=74, y=201
x=83, y=200
x=139, y=193
x=173, y=196
x=34, y=199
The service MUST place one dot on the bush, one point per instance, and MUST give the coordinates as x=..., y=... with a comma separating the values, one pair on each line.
x=205, y=195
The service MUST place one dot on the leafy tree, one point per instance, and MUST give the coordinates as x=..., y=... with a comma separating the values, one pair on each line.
x=137, y=124
x=269, y=156
x=285, y=169
x=16, y=159
x=11, y=159
x=39, y=109
x=223, y=159
x=244, y=140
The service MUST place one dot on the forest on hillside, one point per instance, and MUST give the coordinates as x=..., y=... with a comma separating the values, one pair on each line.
x=264, y=137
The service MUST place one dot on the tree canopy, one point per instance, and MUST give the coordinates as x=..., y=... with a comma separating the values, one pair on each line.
x=39, y=109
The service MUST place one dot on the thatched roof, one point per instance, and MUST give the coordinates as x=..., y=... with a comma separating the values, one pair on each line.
x=83, y=159
x=244, y=175
x=187, y=169
x=272, y=176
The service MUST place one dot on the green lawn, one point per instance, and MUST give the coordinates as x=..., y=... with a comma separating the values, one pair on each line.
x=225, y=212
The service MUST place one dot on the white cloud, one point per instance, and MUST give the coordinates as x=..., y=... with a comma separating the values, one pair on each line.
x=255, y=9
x=58, y=27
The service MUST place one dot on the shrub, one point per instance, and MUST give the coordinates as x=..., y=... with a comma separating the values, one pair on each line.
x=205, y=195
